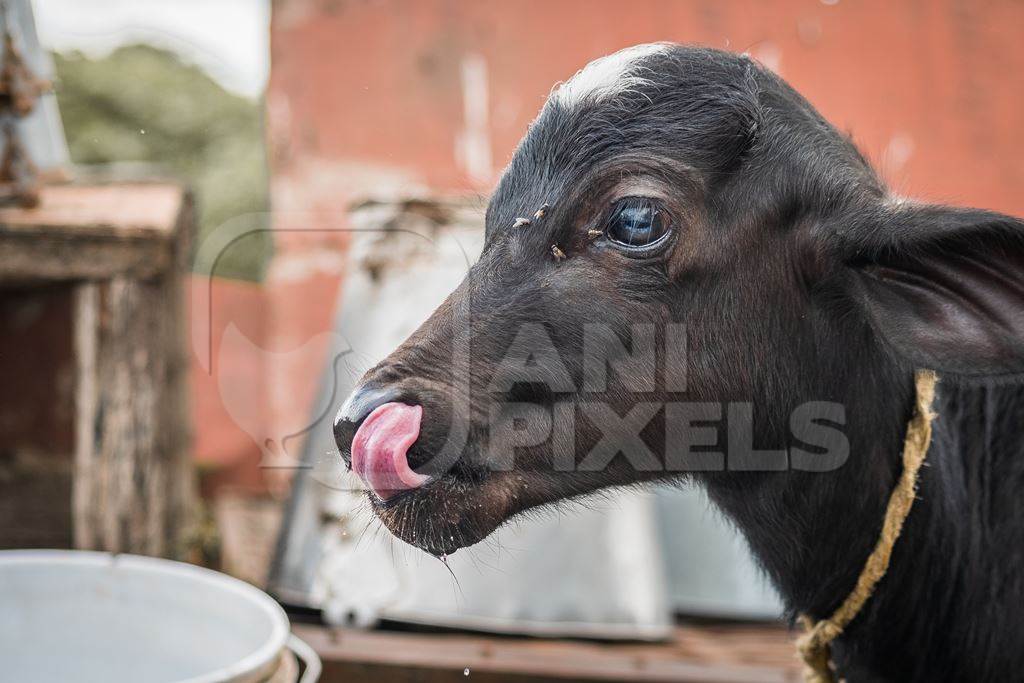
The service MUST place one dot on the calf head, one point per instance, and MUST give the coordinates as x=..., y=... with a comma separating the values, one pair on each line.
x=686, y=269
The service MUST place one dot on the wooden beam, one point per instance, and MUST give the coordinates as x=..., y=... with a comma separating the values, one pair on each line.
x=354, y=656
x=91, y=233
x=117, y=210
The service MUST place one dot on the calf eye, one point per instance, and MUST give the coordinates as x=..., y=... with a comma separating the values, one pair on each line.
x=637, y=222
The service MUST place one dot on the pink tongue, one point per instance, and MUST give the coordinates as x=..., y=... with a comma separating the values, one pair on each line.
x=380, y=445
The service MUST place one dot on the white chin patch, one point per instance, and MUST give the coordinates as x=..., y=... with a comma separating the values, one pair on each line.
x=608, y=75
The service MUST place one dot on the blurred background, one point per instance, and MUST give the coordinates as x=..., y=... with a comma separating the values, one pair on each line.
x=305, y=180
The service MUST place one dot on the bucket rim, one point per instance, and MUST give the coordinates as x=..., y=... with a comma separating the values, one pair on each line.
x=263, y=659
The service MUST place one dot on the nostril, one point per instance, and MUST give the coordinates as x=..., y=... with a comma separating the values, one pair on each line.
x=538, y=393
x=360, y=403
x=344, y=431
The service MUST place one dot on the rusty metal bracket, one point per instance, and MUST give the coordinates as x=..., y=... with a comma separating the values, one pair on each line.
x=19, y=87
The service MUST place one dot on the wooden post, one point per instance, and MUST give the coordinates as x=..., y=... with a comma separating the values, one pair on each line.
x=123, y=250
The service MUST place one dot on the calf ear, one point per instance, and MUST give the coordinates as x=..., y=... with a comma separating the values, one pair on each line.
x=945, y=288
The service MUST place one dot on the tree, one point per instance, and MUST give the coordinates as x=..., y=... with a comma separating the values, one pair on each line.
x=143, y=105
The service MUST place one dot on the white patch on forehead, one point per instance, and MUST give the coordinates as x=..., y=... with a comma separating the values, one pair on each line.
x=608, y=75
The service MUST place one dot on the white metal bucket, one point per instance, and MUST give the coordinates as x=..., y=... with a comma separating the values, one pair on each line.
x=85, y=616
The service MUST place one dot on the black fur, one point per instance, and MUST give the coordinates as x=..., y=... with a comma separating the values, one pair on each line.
x=798, y=279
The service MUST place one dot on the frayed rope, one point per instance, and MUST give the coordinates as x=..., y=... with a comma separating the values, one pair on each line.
x=813, y=645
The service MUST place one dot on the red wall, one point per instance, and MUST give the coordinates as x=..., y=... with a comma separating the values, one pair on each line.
x=930, y=89
x=257, y=360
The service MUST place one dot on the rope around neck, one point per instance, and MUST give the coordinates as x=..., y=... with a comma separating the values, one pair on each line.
x=813, y=645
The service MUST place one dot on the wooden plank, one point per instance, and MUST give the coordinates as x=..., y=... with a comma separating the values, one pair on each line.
x=174, y=435
x=27, y=259
x=85, y=322
x=121, y=210
x=352, y=655
x=94, y=233
x=133, y=486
